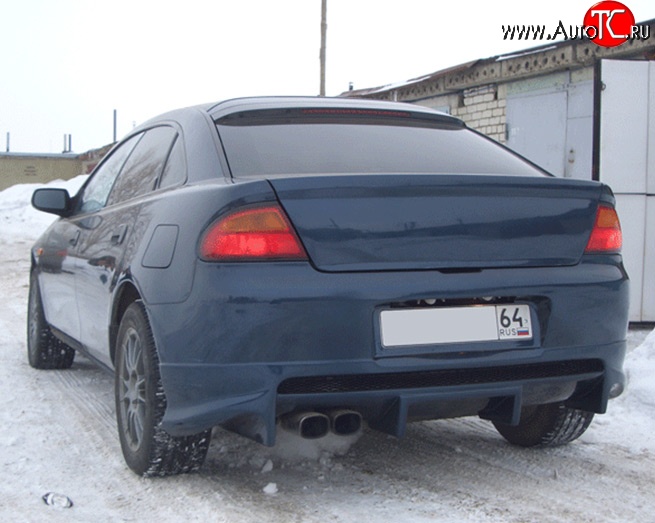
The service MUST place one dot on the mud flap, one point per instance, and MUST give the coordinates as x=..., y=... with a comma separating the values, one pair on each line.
x=590, y=396
x=504, y=405
x=504, y=409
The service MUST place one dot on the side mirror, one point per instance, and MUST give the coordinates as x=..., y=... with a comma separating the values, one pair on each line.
x=54, y=201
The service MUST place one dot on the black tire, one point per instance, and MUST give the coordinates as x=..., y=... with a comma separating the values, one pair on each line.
x=44, y=350
x=140, y=405
x=548, y=425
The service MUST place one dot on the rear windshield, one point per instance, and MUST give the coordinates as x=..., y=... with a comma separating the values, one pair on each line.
x=329, y=141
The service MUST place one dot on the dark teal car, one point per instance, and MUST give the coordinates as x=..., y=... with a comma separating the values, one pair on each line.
x=316, y=262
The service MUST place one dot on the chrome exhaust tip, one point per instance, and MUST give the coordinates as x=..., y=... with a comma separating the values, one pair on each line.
x=308, y=425
x=344, y=422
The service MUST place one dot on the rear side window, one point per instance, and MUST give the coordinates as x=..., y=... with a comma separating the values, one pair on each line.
x=304, y=142
x=144, y=166
x=175, y=169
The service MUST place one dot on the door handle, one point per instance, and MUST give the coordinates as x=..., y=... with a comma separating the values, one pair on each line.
x=118, y=236
x=73, y=241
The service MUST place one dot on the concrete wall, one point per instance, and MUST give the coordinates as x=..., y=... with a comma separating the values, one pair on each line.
x=18, y=168
x=41, y=168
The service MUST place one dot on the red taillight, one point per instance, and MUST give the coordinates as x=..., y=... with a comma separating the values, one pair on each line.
x=606, y=235
x=258, y=233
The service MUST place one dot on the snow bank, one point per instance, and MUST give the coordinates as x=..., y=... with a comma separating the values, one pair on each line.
x=641, y=370
x=18, y=219
x=630, y=419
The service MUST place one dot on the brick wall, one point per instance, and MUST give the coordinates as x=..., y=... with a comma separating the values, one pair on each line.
x=482, y=109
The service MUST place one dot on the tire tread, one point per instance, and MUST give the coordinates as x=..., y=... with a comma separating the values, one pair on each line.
x=47, y=352
x=549, y=425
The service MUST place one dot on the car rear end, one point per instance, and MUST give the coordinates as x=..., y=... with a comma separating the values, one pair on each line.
x=387, y=261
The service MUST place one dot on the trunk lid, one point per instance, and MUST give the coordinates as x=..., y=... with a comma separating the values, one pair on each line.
x=413, y=222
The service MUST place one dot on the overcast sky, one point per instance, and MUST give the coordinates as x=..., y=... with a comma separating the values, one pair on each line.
x=67, y=64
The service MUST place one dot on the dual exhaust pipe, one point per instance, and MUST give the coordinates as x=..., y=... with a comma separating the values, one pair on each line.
x=313, y=425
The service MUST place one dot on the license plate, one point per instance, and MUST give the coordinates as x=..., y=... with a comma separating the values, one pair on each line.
x=409, y=327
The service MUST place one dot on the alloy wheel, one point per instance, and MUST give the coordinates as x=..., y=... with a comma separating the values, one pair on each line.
x=132, y=390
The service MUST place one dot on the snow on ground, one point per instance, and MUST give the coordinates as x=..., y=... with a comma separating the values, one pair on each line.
x=58, y=435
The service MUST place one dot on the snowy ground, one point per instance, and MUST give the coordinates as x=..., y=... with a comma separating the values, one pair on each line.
x=59, y=436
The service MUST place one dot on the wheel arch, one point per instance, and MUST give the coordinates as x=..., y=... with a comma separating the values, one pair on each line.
x=125, y=296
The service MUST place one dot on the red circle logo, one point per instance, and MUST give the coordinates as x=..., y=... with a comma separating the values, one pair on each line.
x=609, y=23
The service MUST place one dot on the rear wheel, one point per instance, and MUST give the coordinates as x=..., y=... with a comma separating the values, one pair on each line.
x=140, y=405
x=44, y=350
x=548, y=425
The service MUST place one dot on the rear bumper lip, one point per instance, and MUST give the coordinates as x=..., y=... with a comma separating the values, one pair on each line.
x=255, y=399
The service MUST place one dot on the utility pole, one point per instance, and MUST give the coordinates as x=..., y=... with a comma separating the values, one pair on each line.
x=323, y=38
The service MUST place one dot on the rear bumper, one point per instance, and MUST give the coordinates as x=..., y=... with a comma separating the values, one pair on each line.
x=255, y=341
x=249, y=398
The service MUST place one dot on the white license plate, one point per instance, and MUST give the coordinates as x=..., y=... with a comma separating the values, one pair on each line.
x=408, y=327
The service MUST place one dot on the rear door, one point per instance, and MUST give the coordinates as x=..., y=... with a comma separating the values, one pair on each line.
x=379, y=190
x=115, y=231
x=91, y=199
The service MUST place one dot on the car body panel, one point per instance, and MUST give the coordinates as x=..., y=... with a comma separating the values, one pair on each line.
x=57, y=262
